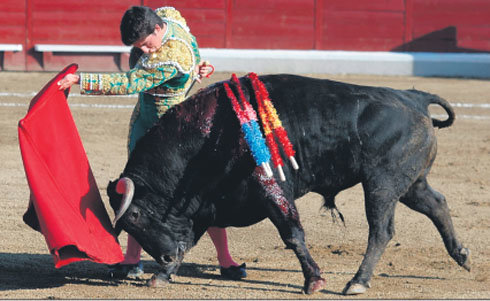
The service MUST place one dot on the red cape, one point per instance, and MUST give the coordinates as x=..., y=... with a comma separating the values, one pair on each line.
x=65, y=204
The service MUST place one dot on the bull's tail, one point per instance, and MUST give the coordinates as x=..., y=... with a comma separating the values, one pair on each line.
x=449, y=111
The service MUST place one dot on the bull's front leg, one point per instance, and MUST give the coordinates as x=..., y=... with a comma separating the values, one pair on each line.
x=294, y=239
x=284, y=216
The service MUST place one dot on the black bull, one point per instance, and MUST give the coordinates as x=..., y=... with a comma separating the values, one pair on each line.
x=194, y=170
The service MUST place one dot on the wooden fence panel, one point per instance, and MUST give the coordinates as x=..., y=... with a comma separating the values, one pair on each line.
x=451, y=25
x=205, y=18
x=376, y=25
x=12, y=31
x=280, y=24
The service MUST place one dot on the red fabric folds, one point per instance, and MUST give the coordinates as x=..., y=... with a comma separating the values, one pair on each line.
x=65, y=204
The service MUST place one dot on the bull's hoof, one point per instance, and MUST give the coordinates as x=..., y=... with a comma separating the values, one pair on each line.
x=464, y=255
x=158, y=281
x=314, y=285
x=355, y=288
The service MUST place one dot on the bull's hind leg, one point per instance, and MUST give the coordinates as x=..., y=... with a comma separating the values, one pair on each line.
x=380, y=206
x=422, y=198
x=284, y=216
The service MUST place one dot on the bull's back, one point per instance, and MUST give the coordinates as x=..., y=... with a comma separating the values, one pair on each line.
x=340, y=130
x=321, y=118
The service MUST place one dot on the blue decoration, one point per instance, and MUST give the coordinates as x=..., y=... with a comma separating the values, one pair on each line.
x=256, y=142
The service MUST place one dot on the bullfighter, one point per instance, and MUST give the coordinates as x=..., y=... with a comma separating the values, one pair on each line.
x=168, y=63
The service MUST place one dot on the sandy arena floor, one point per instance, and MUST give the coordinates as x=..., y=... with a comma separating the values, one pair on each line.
x=414, y=265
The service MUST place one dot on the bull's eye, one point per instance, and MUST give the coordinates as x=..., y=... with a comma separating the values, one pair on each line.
x=134, y=215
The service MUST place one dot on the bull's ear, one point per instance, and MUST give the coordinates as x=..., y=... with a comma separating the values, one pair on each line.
x=111, y=188
x=114, y=197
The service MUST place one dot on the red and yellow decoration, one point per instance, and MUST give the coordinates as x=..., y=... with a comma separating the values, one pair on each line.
x=271, y=124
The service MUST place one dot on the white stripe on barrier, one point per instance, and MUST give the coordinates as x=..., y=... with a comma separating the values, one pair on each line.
x=349, y=62
x=76, y=105
x=14, y=94
x=126, y=107
x=471, y=105
x=11, y=104
x=32, y=94
x=463, y=116
x=102, y=106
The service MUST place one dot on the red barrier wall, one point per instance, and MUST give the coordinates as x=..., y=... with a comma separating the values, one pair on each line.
x=13, y=31
x=376, y=25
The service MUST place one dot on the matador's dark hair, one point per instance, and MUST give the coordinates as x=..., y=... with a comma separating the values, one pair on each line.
x=137, y=23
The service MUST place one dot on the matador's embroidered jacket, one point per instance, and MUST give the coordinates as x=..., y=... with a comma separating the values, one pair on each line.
x=162, y=77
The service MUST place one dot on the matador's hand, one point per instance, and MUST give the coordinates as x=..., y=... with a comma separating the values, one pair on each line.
x=204, y=69
x=68, y=81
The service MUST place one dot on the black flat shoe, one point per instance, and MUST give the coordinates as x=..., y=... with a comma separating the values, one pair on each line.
x=122, y=271
x=234, y=272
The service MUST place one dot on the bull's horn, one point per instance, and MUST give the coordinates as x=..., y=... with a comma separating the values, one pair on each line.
x=125, y=186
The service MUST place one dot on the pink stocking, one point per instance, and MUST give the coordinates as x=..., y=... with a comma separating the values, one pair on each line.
x=133, y=251
x=220, y=241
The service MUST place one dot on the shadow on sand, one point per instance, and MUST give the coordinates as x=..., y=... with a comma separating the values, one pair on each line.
x=20, y=271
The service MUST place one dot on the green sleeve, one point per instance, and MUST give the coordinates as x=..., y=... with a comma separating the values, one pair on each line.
x=134, y=81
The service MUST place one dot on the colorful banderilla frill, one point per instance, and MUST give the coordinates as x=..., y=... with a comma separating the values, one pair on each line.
x=272, y=126
x=250, y=129
x=270, y=122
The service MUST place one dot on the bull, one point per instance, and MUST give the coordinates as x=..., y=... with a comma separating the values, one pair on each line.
x=194, y=170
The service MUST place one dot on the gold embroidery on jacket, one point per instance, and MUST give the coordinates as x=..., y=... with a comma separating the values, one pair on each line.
x=175, y=52
x=178, y=55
